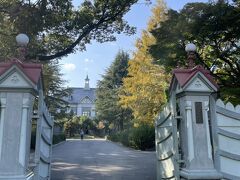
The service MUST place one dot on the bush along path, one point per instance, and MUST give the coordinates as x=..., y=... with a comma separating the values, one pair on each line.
x=141, y=137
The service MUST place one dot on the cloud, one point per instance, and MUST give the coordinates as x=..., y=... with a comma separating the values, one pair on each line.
x=86, y=60
x=69, y=67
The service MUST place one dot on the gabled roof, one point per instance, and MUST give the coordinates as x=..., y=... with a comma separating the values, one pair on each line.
x=80, y=93
x=86, y=98
x=183, y=76
x=31, y=70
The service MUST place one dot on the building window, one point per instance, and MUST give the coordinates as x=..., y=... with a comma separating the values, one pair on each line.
x=86, y=111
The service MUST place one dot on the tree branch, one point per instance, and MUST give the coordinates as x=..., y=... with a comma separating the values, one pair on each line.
x=85, y=32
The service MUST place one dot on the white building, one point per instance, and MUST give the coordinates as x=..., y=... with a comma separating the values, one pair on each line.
x=82, y=100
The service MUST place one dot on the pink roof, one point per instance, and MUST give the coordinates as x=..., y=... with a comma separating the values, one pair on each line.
x=31, y=70
x=184, y=75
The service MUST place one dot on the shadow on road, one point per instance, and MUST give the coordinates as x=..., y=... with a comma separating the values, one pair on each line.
x=99, y=159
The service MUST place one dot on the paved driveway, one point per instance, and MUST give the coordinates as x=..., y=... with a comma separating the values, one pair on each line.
x=101, y=160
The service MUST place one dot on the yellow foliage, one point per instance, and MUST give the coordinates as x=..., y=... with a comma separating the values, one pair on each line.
x=143, y=90
x=159, y=15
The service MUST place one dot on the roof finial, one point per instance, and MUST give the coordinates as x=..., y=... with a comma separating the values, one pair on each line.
x=22, y=42
x=191, y=50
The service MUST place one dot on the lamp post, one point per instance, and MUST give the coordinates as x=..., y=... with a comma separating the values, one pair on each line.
x=191, y=53
x=22, y=42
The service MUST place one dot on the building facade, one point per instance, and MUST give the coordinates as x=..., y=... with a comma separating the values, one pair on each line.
x=82, y=100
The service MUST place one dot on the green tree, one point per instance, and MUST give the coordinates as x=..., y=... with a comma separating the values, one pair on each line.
x=57, y=28
x=54, y=89
x=214, y=28
x=107, y=106
x=143, y=90
x=73, y=125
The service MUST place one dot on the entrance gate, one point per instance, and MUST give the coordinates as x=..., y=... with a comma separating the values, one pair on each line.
x=167, y=145
x=197, y=136
x=20, y=85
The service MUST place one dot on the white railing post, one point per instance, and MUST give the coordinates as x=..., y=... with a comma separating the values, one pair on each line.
x=43, y=151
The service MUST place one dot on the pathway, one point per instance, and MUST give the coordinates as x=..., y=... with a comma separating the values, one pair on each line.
x=101, y=160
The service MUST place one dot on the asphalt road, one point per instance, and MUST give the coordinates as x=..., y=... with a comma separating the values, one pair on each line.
x=101, y=160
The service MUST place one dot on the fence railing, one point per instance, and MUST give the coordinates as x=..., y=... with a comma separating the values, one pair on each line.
x=166, y=152
x=228, y=136
x=43, y=151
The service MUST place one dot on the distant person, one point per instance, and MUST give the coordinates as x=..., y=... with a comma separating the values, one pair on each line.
x=81, y=134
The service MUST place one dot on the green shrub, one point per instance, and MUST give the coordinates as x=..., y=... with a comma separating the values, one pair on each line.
x=143, y=137
x=59, y=138
x=114, y=137
x=124, y=138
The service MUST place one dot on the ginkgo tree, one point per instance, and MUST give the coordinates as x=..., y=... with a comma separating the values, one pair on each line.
x=144, y=88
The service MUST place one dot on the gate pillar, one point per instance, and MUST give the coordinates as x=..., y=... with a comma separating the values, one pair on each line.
x=18, y=86
x=193, y=87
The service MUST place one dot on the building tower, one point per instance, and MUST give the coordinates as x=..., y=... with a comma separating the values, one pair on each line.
x=87, y=83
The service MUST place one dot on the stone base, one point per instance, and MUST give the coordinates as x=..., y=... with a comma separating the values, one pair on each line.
x=30, y=176
x=200, y=174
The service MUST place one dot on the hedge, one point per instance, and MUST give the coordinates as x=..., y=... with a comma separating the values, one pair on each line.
x=142, y=137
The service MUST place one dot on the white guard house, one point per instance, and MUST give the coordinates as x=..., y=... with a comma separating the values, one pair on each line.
x=19, y=84
x=193, y=88
x=197, y=136
x=82, y=100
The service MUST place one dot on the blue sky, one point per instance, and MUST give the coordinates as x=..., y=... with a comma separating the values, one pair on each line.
x=97, y=57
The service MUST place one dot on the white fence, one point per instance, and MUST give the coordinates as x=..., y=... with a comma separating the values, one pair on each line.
x=166, y=145
x=43, y=151
x=225, y=122
x=228, y=139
